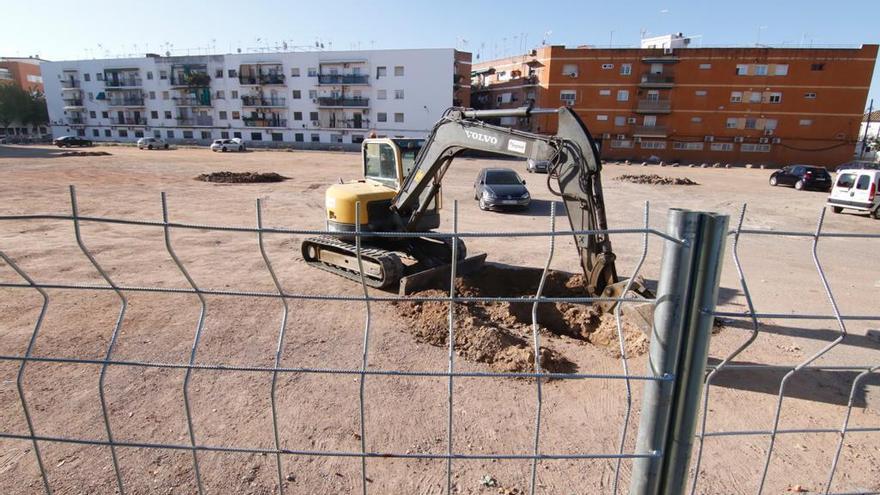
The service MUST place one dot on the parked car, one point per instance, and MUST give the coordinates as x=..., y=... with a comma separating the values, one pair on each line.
x=856, y=189
x=497, y=188
x=224, y=145
x=151, y=143
x=802, y=177
x=858, y=164
x=538, y=165
x=68, y=141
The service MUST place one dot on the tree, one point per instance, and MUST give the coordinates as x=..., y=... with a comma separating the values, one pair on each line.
x=20, y=105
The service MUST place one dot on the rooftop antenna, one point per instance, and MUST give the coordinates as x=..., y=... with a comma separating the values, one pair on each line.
x=546, y=37
x=758, y=40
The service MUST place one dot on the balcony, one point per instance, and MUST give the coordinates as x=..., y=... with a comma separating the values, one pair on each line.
x=654, y=106
x=195, y=121
x=657, y=81
x=76, y=121
x=342, y=79
x=650, y=131
x=343, y=102
x=191, y=101
x=73, y=103
x=131, y=101
x=263, y=122
x=258, y=101
x=344, y=124
x=260, y=79
x=190, y=76
x=70, y=84
x=123, y=83
x=128, y=121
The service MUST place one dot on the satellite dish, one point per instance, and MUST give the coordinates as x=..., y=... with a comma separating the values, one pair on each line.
x=167, y=53
x=238, y=50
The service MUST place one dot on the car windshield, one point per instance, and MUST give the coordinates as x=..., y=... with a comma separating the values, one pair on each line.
x=502, y=177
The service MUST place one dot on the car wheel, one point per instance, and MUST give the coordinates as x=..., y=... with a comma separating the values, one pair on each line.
x=799, y=185
x=150, y=147
x=483, y=206
x=166, y=146
x=773, y=181
x=241, y=148
x=836, y=209
x=223, y=149
x=876, y=214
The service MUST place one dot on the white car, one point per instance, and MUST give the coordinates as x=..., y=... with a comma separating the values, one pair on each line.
x=152, y=143
x=856, y=189
x=234, y=144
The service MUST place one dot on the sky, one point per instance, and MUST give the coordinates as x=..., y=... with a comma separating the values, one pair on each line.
x=59, y=30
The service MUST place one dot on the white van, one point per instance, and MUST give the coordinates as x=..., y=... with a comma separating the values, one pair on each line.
x=856, y=189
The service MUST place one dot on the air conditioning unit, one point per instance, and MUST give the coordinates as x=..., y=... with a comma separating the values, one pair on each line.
x=607, y=135
x=709, y=139
x=572, y=75
x=667, y=51
x=637, y=139
x=764, y=140
x=738, y=139
x=631, y=120
x=621, y=137
x=314, y=100
x=777, y=140
x=316, y=123
x=768, y=132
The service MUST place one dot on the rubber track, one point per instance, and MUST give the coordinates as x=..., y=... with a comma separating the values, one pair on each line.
x=392, y=267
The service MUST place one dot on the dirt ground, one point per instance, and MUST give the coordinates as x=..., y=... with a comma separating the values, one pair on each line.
x=403, y=413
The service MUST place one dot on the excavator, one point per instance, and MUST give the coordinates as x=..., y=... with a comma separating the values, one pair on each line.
x=401, y=193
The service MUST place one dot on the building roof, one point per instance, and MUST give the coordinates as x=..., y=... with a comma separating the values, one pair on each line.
x=875, y=116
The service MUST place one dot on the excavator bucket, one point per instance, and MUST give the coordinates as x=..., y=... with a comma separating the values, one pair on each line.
x=640, y=314
x=438, y=276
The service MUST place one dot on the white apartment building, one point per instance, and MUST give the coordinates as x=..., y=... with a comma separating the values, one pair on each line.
x=313, y=99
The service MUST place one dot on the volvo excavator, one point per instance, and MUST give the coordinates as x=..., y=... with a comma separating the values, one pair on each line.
x=401, y=193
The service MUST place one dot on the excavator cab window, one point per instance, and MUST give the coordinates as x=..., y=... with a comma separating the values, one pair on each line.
x=380, y=163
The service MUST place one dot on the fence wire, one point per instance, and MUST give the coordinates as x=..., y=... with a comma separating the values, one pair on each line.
x=279, y=451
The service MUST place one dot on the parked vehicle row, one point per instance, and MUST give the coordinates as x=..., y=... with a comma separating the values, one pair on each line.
x=856, y=189
x=802, y=177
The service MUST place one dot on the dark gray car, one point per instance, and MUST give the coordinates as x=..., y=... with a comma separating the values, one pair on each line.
x=500, y=188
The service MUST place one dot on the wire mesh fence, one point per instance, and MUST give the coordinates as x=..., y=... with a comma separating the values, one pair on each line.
x=452, y=455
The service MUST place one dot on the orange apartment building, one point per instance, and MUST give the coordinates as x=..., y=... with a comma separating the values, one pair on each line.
x=693, y=105
x=21, y=71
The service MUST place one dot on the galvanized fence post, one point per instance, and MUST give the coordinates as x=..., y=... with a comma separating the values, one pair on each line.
x=686, y=295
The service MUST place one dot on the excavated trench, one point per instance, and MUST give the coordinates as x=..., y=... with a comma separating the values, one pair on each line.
x=241, y=177
x=500, y=334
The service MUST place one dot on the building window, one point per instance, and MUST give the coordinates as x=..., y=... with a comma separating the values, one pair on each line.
x=294, y=72
x=299, y=137
x=221, y=95
x=316, y=138
x=99, y=76
x=357, y=138
x=620, y=120
x=570, y=70
x=751, y=148
x=232, y=73
x=602, y=117
x=206, y=134
x=105, y=115
x=123, y=133
x=781, y=70
x=760, y=70
x=277, y=136
x=154, y=114
x=604, y=92
x=91, y=96
x=165, y=95
x=313, y=116
x=623, y=95
x=236, y=115
x=700, y=92
x=621, y=143
x=222, y=114
x=187, y=134
x=732, y=122
x=107, y=133
x=810, y=96
x=775, y=98
x=568, y=96
x=382, y=117
x=607, y=66
x=742, y=69
x=95, y=133
x=313, y=94
x=236, y=134
x=398, y=94
x=817, y=67
x=149, y=75
x=157, y=134
x=381, y=71
x=163, y=74
x=92, y=114
x=754, y=97
x=626, y=69
x=653, y=145
x=312, y=72
x=687, y=146
x=736, y=96
x=696, y=120
x=297, y=115
x=770, y=124
x=218, y=74
x=297, y=94
x=256, y=136
x=751, y=123
x=87, y=77
x=336, y=138
x=381, y=94
x=398, y=117
x=721, y=147
x=398, y=70
x=705, y=66
x=152, y=95
x=234, y=94
x=168, y=114
x=224, y=134
x=805, y=122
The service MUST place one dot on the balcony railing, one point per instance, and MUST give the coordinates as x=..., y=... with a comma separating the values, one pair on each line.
x=658, y=80
x=650, y=131
x=70, y=84
x=256, y=79
x=128, y=121
x=73, y=102
x=76, y=121
x=257, y=101
x=342, y=79
x=654, y=106
x=131, y=82
x=260, y=122
x=191, y=101
x=133, y=101
x=345, y=124
x=343, y=102
x=199, y=120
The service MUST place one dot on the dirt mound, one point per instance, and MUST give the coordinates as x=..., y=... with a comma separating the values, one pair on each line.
x=499, y=333
x=656, y=180
x=241, y=177
x=84, y=153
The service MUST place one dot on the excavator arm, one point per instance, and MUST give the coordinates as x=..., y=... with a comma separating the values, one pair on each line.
x=575, y=167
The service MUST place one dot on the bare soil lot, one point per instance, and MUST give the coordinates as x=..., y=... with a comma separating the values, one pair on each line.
x=404, y=414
